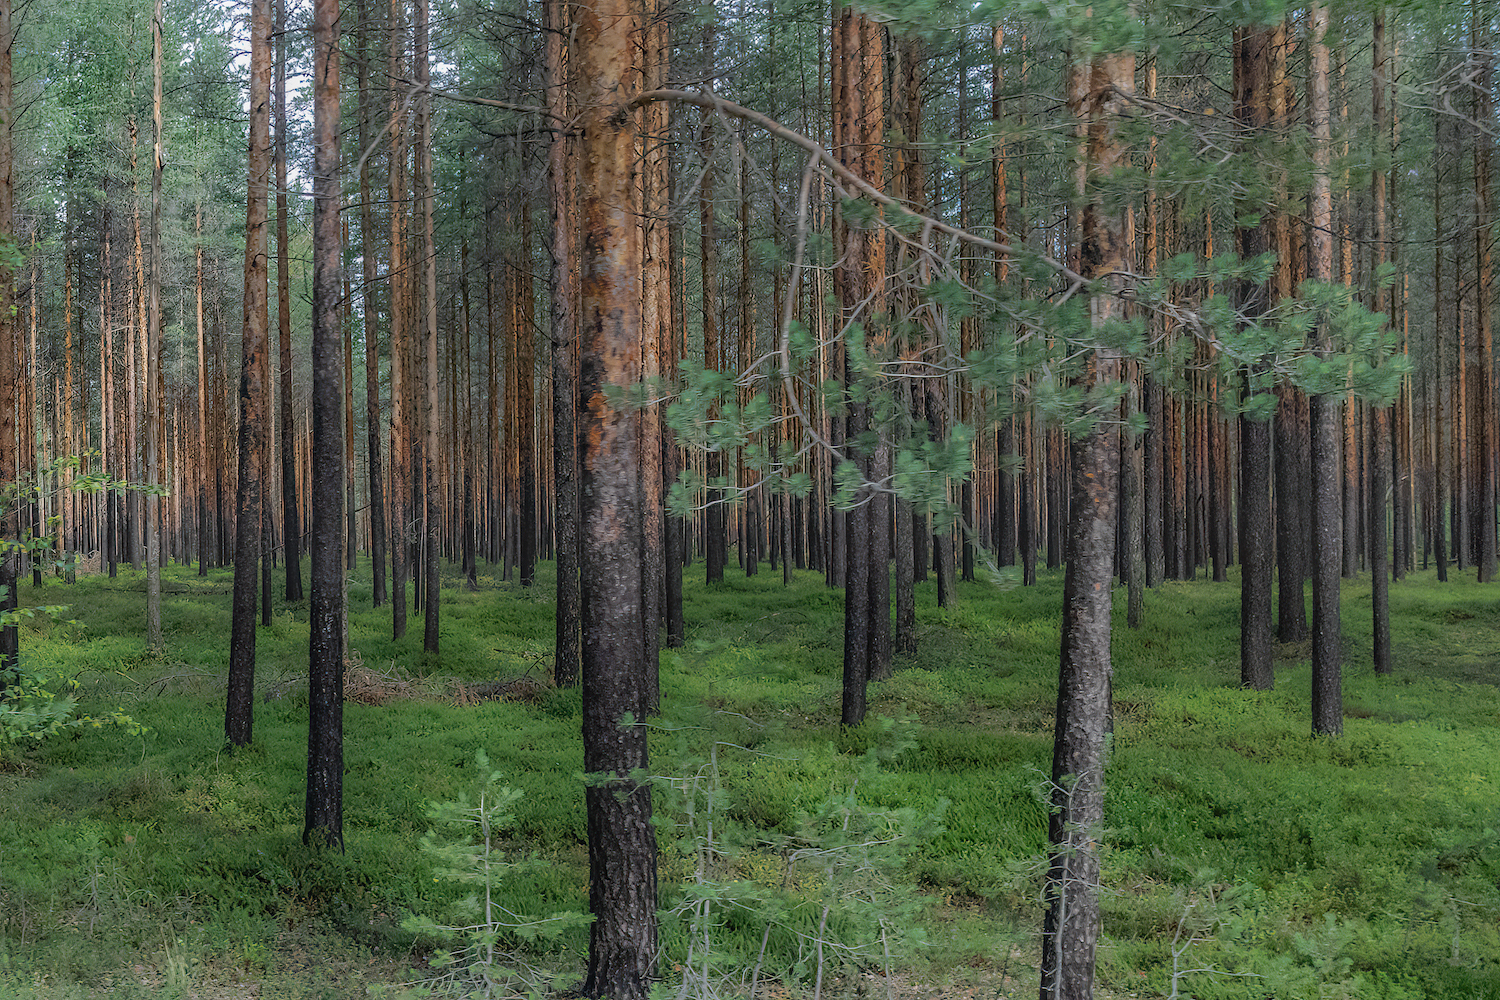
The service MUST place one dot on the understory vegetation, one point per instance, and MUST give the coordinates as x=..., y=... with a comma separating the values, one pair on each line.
x=1242, y=857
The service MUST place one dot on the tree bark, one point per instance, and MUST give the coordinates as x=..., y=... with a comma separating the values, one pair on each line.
x=291, y=523
x=564, y=373
x=239, y=703
x=371, y=330
x=1327, y=695
x=152, y=423
x=324, y=823
x=10, y=367
x=622, y=842
x=1070, y=932
x=400, y=493
x=1252, y=108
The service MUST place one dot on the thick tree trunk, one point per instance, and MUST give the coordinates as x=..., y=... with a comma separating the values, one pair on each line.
x=622, y=842
x=325, y=731
x=1327, y=695
x=1070, y=932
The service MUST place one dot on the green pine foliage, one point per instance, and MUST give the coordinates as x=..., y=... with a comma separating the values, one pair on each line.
x=1235, y=844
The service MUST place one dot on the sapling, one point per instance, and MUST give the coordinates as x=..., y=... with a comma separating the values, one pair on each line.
x=483, y=954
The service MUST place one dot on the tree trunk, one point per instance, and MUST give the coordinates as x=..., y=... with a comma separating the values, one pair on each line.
x=432, y=495
x=371, y=330
x=564, y=372
x=10, y=367
x=1252, y=108
x=291, y=522
x=239, y=703
x=1070, y=932
x=324, y=823
x=152, y=423
x=622, y=842
x=1327, y=696
x=400, y=494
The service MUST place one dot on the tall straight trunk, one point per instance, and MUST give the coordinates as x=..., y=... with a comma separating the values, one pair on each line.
x=371, y=327
x=1379, y=424
x=1151, y=395
x=291, y=522
x=1327, y=695
x=1253, y=60
x=1484, y=225
x=254, y=368
x=675, y=547
x=622, y=842
x=564, y=370
x=525, y=382
x=1439, y=379
x=324, y=823
x=1070, y=932
x=1005, y=441
x=152, y=423
x=203, y=461
x=10, y=367
x=716, y=535
x=423, y=186
x=400, y=493
x=656, y=338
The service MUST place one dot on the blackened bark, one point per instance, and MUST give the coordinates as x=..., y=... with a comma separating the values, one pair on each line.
x=1256, y=669
x=1070, y=932
x=10, y=364
x=564, y=371
x=1291, y=519
x=622, y=842
x=324, y=822
x=239, y=703
x=1380, y=584
x=1253, y=60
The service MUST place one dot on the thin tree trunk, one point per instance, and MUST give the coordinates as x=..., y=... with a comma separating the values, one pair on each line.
x=400, y=493
x=10, y=367
x=371, y=329
x=291, y=522
x=254, y=367
x=152, y=423
x=564, y=372
x=431, y=412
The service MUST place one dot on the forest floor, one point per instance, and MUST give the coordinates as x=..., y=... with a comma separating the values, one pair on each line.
x=902, y=859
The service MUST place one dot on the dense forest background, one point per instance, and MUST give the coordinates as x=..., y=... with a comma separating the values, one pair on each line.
x=1147, y=292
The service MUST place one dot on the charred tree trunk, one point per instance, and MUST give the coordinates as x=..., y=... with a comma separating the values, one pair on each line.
x=254, y=368
x=324, y=822
x=622, y=842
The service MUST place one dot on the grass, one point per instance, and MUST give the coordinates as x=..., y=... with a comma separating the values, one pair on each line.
x=1367, y=866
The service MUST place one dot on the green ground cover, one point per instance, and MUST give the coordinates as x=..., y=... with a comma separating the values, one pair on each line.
x=1368, y=866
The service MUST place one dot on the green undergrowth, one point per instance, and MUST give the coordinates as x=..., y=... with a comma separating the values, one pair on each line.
x=1283, y=866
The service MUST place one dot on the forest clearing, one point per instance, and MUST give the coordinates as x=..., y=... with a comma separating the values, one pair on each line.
x=164, y=865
